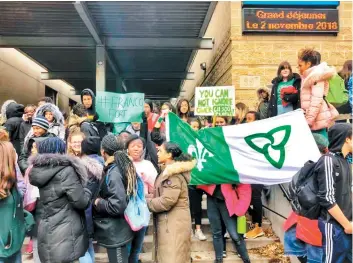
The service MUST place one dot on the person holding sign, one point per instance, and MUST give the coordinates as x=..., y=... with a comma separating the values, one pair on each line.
x=285, y=91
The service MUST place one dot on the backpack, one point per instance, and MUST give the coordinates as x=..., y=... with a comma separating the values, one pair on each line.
x=100, y=128
x=337, y=94
x=303, y=190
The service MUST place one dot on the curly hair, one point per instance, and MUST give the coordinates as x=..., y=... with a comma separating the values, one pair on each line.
x=310, y=55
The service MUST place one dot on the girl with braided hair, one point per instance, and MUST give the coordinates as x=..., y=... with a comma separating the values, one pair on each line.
x=111, y=230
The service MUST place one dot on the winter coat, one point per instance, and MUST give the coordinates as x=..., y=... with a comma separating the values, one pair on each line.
x=26, y=151
x=14, y=114
x=237, y=198
x=319, y=113
x=94, y=169
x=56, y=127
x=92, y=114
x=294, y=99
x=110, y=227
x=25, y=128
x=172, y=219
x=4, y=106
x=62, y=234
x=12, y=230
x=21, y=185
x=82, y=124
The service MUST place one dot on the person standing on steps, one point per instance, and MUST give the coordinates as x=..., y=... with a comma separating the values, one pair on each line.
x=158, y=133
x=135, y=147
x=263, y=96
x=319, y=113
x=88, y=100
x=285, y=93
x=111, y=230
x=196, y=194
x=151, y=116
x=27, y=122
x=14, y=113
x=183, y=109
x=170, y=206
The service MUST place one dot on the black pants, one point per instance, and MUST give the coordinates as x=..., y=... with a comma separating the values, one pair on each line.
x=256, y=202
x=118, y=254
x=195, y=196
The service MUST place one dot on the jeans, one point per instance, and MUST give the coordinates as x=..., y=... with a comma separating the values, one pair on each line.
x=89, y=256
x=135, y=247
x=216, y=211
x=296, y=247
x=118, y=254
x=284, y=109
x=195, y=204
x=15, y=258
x=256, y=211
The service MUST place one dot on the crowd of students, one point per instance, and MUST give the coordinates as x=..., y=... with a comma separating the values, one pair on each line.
x=76, y=177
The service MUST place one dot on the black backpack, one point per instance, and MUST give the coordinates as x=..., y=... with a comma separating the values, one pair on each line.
x=100, y=128
x=303, y=190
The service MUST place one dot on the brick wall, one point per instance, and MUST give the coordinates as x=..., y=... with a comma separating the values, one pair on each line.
x=256, y=55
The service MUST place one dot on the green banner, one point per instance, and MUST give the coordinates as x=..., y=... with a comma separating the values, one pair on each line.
x=117, y=107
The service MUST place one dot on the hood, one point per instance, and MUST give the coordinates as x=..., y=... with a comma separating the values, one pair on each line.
x=93, y=166
x=92, y=95
x=59, y=118
x=337, y=135
x=75, y=121
x=14, y=110
x=131, y=130
x=277, y=80
x=317, y=73
x=183, y=168
x=46, y=166
x=4, y=108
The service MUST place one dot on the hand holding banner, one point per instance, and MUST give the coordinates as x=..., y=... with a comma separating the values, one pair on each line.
x=116, y=107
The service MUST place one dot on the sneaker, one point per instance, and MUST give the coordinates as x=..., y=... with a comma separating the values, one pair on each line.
x=224, y=254
x=29, y=248
x=255, y=233
x=226, y=235
x=199, y=235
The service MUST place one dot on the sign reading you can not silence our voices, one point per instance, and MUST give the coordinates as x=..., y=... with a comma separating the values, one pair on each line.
x=115, y=107
x=290, y=20
x=215, y=101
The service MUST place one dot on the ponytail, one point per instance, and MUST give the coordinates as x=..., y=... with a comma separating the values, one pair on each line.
x=177, y=153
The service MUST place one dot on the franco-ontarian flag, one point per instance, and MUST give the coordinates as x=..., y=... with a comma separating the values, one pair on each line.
x=265, y=152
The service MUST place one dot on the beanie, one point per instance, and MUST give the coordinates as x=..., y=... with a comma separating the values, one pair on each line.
x=110, y=144
x=41, y=121
x=91, y=145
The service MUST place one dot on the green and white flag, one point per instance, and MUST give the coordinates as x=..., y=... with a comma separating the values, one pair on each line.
x=265, y=152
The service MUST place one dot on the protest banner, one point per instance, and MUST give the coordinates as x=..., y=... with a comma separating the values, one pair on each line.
x=116, y=107
x=215, y=101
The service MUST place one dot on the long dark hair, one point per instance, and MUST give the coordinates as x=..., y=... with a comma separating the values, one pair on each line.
x=179, y=113
x=346, y=71
x=284, y=65
x=170, y=106
x=126, y=167
x=177, y=153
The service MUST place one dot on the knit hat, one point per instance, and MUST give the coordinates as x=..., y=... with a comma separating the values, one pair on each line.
x=91, y=145
x=110, y=144
x=41, y=121
x=79, y=110
x=321, y=142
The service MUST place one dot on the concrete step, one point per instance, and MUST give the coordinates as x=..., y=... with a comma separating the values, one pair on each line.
x=203, y=246
x=201, y=257
x=206, y=227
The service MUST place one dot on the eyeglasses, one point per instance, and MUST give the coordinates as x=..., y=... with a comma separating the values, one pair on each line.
x=78, y=142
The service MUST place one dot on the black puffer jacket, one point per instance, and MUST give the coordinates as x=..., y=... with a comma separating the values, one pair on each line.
x=26, y=126
x=294, y=99
x=110, y=227
x=62, y=234
x=14, y=114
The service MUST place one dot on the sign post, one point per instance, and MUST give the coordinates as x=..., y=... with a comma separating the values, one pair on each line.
x=115, y=107
x=215, y=101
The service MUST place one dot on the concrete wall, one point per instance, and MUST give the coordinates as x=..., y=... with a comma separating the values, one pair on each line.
x=218, y=61
x=259, y=55
x=20, y=80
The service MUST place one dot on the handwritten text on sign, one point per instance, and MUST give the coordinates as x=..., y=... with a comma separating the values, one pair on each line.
x=116, y=107
x=215, y=101
x=290, y=20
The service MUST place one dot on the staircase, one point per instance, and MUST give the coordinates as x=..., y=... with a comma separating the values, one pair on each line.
x=201, y=251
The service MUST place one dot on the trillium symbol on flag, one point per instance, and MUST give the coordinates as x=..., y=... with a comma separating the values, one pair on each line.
x=272, y=142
